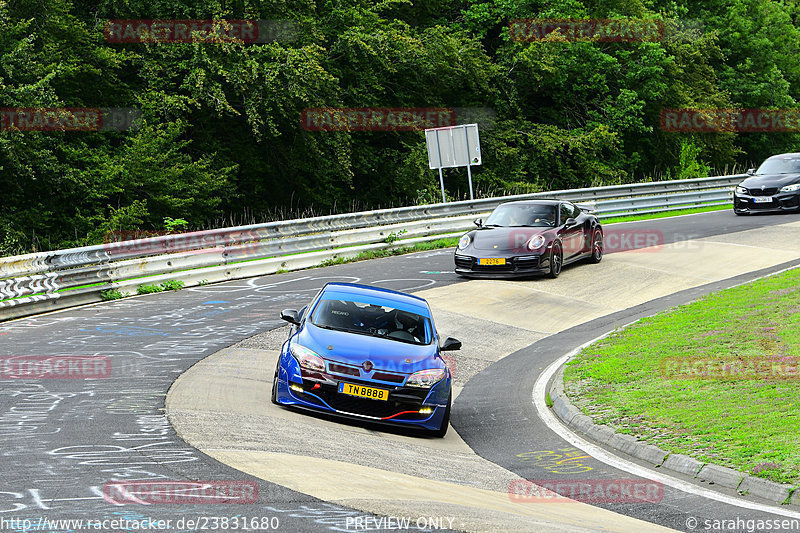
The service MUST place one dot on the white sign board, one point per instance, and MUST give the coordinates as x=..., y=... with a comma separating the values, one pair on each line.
x=454, y=146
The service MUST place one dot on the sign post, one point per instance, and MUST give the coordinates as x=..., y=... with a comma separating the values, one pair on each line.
x=454, y=146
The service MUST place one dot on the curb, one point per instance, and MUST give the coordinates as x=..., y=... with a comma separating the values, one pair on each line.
x=705, y=473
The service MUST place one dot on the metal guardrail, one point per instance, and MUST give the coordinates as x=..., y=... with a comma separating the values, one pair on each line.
x=45, y=281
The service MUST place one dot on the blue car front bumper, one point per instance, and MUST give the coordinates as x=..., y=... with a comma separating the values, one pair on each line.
x=318, y=391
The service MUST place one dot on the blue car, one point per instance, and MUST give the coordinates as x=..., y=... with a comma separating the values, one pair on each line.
x=366, y=353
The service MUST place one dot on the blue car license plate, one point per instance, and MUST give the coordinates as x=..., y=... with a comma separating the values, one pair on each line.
x=363, y=392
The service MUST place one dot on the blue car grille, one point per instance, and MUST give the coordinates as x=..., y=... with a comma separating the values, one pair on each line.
x=390, y=378
x=399, y=400
x=344, y=370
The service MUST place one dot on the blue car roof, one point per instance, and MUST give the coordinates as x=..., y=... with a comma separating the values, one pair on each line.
x=368, y=294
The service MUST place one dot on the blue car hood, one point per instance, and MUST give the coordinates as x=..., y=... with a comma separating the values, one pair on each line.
x=354, y=349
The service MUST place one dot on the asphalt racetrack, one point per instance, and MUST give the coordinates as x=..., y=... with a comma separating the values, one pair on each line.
x=187, y=398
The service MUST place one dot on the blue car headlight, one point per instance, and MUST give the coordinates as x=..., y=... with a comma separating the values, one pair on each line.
x=426, y=379
x=791, y=188
x=308, y=359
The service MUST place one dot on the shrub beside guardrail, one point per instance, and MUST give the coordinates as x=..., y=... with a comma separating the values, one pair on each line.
x=45, y=281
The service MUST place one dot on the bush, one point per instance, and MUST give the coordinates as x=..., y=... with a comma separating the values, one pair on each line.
x=149, y=289
x=172, y=285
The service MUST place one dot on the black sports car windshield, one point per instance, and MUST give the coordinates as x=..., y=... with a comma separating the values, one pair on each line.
x=374, y=320
x=780, y=165
x=531, y=215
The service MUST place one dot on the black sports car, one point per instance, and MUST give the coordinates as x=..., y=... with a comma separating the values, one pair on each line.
x=773, y=188
x=529, y=237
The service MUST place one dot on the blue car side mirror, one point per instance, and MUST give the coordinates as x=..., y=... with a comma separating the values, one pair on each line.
x=291, y=316
x=450, y=344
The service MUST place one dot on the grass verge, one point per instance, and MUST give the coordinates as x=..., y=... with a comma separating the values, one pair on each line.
x=715, y=379
x=667, y=214
x=377, y=254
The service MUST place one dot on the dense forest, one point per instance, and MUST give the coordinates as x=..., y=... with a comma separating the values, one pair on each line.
x=220, y=140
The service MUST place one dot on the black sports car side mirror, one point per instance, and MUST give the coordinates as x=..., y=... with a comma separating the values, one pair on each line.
x=751, y=171
x=291, y=316
x=478, y=222
x=450, y=344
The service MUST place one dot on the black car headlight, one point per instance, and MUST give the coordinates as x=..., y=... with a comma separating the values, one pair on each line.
x=463, y=242
x=791, y=188
x=741, y=190
x=536, y=242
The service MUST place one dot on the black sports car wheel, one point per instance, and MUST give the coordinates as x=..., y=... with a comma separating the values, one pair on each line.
x=442, y=431
x=556, y=260
x=597, y=247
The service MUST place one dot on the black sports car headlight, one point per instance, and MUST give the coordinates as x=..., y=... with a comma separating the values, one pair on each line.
x=791, y=188
x=536, y=242
x=740, y=190
x=463, y=242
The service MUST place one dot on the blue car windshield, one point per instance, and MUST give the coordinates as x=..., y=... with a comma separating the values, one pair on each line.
x=372, y=319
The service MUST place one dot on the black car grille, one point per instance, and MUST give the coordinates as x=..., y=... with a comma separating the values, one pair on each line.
x=755, y=207
x=527, y=262
x=399, y=400
x=463, y=261
x=792, y=201
x=512, y=263
x=769, y=191
x=508, y=267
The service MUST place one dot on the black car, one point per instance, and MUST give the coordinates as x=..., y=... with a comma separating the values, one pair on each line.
x=773, y=188
x=529, y=237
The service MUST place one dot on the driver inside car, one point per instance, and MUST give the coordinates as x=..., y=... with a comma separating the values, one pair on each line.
x=405, y=327
x=376, y=319
x=545, y=218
